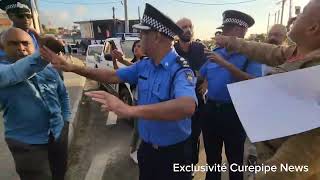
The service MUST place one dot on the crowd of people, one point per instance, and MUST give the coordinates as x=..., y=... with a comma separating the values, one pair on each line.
x=180, y=92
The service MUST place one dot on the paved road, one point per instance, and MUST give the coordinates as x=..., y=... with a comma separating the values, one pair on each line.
x=74, y=84
x=107, y=147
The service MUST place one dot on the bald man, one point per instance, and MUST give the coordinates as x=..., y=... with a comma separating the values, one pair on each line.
x=304, y=148
x=36, y=106
x=193, y=52
x=277, y=34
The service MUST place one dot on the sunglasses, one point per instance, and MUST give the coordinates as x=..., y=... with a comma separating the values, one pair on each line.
x=22, y=16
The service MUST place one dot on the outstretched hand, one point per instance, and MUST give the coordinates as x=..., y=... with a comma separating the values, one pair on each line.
x=216, y=58
x=110, y=103
x=58, y=62
x=221, y=40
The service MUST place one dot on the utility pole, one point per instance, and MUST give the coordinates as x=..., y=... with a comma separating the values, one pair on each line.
x=268, y=23
x=114, y=21
x=113, y=13
x=275, y=18
x=139, y=14
x=290, y=9
x=278, y=19
x=282, y=10
x=126, y=21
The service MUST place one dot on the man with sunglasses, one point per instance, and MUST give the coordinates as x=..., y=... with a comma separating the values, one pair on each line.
x=19, y=12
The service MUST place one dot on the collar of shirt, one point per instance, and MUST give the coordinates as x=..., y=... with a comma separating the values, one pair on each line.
x=5, y=62
x=169, y=59
x=223, y=52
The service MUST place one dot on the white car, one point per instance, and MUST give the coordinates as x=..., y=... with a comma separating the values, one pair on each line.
x=94, y=55
x=123, y=44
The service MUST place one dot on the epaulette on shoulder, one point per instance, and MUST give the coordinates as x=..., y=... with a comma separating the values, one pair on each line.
x=145, y=58
x=183, y=62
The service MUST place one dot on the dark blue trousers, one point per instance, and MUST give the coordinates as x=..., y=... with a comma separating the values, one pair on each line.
x=221, y=125
x=157, y=163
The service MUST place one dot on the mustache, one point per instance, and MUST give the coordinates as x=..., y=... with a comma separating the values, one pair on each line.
x=272, y=41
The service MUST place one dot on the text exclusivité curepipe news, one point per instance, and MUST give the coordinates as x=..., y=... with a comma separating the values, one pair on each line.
x=242, y=168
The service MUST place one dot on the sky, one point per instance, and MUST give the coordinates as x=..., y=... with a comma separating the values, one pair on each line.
x=206, y=18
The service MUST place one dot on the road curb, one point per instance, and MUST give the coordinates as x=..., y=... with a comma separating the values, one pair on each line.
x=99, y=164
x=74, y=113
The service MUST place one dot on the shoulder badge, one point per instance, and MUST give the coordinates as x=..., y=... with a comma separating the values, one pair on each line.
x=190, y=77
x=183, y=62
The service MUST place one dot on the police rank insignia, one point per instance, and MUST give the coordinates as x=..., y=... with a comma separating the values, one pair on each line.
x=184, y=63
x=190, y=77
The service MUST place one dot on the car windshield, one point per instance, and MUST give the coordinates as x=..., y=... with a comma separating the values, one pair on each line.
x=127, y=49
x=95, y=50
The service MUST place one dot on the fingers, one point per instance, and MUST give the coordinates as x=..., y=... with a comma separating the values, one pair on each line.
x=212, y=57
x=44, y=53
x=49, y=51
x=96, y=94
x=98, y=100
x=220, y=40
x=105, y=108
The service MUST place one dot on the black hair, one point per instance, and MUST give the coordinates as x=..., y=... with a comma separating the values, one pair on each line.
x=134, y=45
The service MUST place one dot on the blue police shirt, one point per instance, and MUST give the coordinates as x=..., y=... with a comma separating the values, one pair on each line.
x=218, y=77
x=33, y=104
x=35, y=42
x=154, y=82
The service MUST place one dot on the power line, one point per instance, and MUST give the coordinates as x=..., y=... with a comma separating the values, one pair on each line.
x=214, y=4
x=80, y=3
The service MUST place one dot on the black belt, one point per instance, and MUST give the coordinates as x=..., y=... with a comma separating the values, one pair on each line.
x=169, y=147
x=219, y=103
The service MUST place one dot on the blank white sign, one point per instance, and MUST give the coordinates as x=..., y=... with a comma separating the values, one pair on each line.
x=279, y=105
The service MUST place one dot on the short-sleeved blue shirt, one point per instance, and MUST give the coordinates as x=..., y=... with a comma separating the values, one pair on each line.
x=156, y=84
x=218, y=77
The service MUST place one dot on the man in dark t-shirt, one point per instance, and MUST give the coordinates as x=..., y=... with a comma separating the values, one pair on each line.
x=193, y=52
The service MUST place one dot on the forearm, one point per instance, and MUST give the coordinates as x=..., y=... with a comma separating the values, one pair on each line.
x=115, y=65
x=171, y=110
x=127, y=63
x=101, y=75
x=264, y=53
x=21, y=70
x=237, y=73
x=303, y=150
x=65, y=107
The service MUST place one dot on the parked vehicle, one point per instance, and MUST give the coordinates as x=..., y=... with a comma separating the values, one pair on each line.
x=104, y=60
x=94, y=54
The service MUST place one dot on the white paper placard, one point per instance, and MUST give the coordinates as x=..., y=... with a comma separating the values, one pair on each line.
x=279, y=105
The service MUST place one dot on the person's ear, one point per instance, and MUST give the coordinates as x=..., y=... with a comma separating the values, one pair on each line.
x=157, y=37
x=314, y=29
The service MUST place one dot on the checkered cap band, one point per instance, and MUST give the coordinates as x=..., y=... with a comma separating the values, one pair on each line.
x=157, y=26
x=18, y=5
x=236, y=21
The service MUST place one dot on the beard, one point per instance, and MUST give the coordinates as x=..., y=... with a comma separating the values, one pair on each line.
x=21, y=55
x=273, y=41
x=186, y=37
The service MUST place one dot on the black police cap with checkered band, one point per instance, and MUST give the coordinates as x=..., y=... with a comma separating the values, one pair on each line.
x=232, y=17
x=16, y=6
x=153, y=19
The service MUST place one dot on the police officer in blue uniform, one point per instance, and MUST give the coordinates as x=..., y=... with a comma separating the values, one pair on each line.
x=166, y=97
x=20, y=13
x=221, y=124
